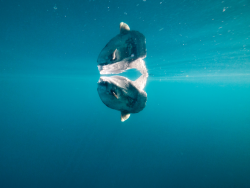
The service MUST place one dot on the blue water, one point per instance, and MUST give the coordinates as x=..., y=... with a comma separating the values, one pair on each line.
x=56, y=132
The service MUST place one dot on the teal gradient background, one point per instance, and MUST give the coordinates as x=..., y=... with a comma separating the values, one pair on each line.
x=194, y=130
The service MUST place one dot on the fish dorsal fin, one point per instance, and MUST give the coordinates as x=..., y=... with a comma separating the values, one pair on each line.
x=124, y=28
x=124, y=116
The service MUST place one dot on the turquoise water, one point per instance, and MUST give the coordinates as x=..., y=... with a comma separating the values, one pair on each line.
x=56, y=132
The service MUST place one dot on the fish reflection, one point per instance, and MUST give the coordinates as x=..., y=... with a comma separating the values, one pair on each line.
x=122, y=94
x=125, y=51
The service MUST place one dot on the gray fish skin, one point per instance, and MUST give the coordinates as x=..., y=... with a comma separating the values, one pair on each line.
x=122, y=66
x=121, y=94
x=126, y=46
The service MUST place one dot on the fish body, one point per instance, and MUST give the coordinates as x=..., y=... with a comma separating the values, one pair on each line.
x=123, y=49
x=121, y=94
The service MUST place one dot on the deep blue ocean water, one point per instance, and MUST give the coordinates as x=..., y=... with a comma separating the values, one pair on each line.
x=56, y=132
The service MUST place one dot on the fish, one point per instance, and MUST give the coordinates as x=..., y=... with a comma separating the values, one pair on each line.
x=120, y=51
x=122, y=94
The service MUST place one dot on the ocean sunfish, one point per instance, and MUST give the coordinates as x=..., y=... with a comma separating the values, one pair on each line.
x=122, y=94
x=123, y=49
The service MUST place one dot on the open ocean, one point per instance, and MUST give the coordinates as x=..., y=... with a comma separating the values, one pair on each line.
x=194, y=131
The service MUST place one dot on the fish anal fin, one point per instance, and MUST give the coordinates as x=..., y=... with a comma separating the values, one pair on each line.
x=124, y=116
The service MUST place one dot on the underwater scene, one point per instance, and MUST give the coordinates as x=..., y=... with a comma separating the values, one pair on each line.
x=125, y=94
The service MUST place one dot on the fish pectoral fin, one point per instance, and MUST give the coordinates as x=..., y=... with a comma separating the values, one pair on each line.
x=115, y=94
x=124, y=116
x=113, y=55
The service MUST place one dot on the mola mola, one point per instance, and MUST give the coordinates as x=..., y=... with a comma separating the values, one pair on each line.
x=122, y=94
x=121, y=50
